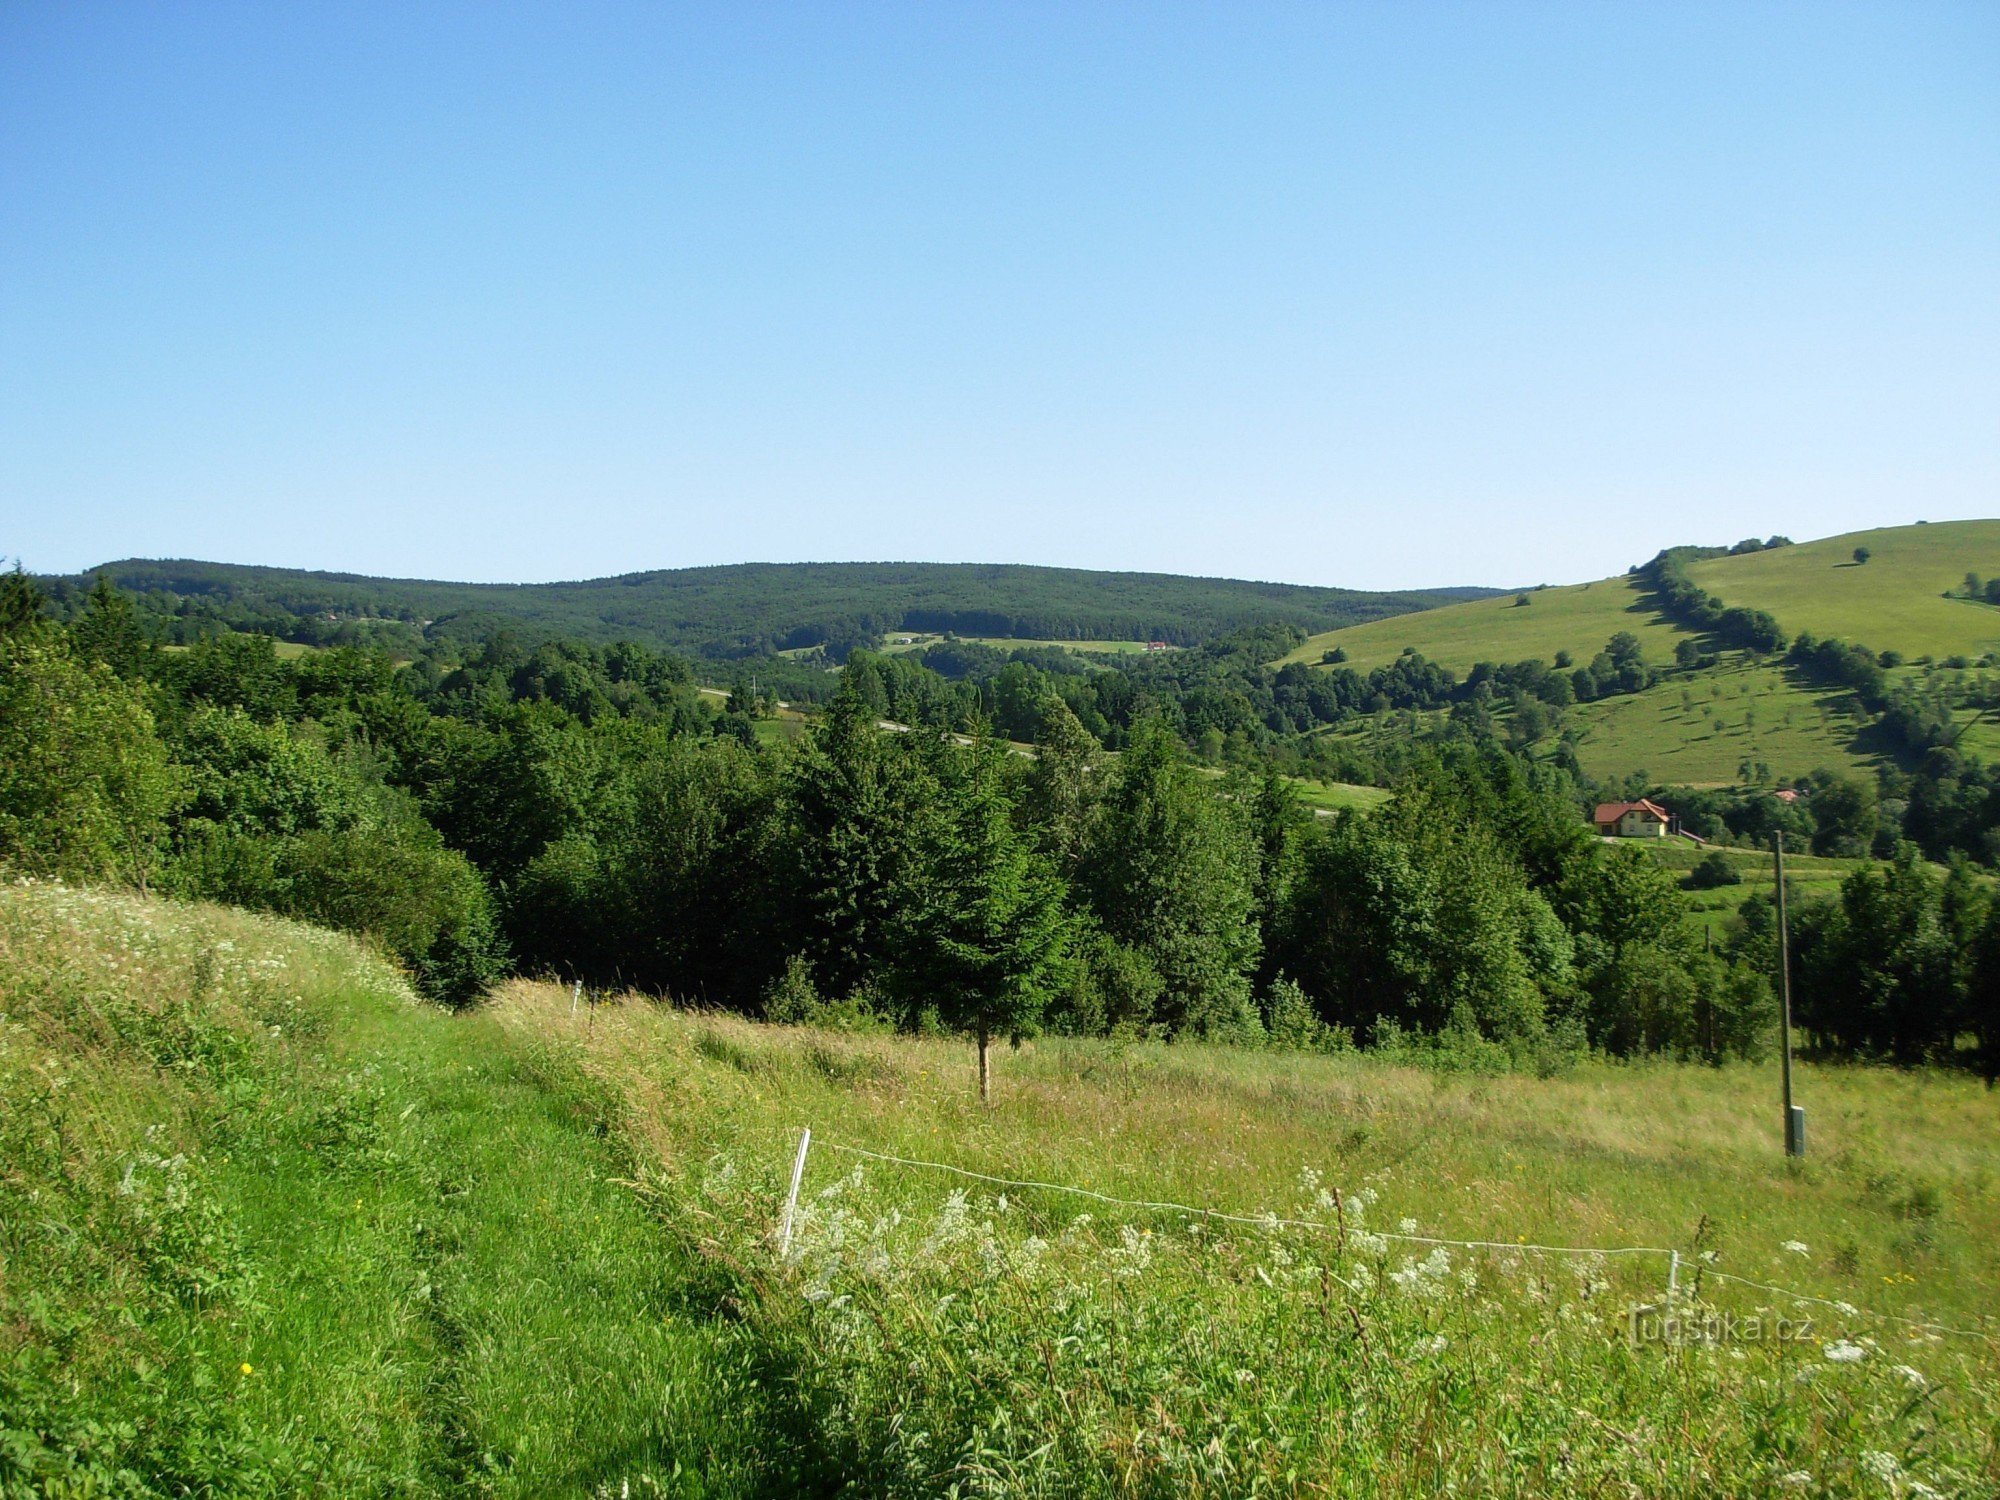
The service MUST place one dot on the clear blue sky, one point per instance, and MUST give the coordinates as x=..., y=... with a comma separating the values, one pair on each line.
x=1369, y=294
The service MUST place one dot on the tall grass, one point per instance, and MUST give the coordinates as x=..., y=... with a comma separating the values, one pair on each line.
x=270, y=1226
x=945, y=1334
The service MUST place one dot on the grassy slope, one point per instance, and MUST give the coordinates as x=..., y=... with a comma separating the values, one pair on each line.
x=412, y=1241
x=1578, y=618
x=408, y=1226
x=952, y=1327
x=1697, y=730
x=1893, y=603
x=1806, y=875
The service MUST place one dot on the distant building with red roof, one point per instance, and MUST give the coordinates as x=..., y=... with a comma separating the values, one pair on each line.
x=1644, y=819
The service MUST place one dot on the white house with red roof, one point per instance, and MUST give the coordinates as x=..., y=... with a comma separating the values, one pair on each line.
x=1644, y=819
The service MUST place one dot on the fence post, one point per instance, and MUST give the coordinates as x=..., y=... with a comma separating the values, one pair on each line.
x=792, y=1197
x=1673, y=1275
x=574, y=996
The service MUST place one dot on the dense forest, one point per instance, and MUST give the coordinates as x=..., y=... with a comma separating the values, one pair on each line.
x=586, y=811
x=742, y=610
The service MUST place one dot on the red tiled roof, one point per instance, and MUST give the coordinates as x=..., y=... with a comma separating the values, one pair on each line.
x=1611, y=812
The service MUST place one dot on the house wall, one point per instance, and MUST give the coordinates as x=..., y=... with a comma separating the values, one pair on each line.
x=1638, y=826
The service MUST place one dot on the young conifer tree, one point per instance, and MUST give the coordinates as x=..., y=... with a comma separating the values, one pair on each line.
x=987, y=930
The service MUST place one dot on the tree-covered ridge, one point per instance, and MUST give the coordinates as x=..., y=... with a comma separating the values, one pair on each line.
x=738, y=610
x=588, y=811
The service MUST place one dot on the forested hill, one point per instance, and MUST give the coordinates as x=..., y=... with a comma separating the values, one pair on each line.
x=750, y=608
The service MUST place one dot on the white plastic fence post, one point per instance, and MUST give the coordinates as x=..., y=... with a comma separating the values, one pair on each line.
x=1673, y=1274
x=792, y=1197
x=574, y=996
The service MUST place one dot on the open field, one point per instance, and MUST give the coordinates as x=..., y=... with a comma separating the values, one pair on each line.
x=283, y=650
x=948, y=1328
x=1892, y=603
x=1578, y=618
x=1697, y=729
x=272, y=1227
x=1806, y=875
x=1337, y=796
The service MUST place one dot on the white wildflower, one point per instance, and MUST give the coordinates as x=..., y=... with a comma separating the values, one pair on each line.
x=1883, y=1466
x=1406, y=1226
x=1795, y=1247
x=1798, y=1479
x=1911, y=1376
x=1133, y=1253
x=1841, y=1352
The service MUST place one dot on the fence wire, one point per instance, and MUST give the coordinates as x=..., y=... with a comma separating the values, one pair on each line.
x=1275, y=1221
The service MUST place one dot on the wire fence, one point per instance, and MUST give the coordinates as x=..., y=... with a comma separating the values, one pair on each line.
x=1670, y=1255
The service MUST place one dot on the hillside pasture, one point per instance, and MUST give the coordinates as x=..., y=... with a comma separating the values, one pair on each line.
x=1697, y=729
x=1893, y=602
x=1577, y=618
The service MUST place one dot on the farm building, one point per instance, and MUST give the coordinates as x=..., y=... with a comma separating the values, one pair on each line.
x=1643, y=819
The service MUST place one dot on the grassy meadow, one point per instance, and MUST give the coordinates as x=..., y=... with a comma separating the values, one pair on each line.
x=269, y=1226
x=273, y=1227
x=900, y=642
x=946, y=1333
x=1698, y=729
x=1578, y=618
x=1893, y=602
x=1338, y=796
x=1806, y=875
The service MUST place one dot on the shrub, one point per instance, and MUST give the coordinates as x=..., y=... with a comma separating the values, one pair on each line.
x=1292, y=1025
x=1711, y=872
x=85, y=784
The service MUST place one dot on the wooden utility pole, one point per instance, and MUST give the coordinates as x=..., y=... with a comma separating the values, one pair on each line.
x=1795, y=1118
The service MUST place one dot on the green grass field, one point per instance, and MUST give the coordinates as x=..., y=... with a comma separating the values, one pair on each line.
x=1013, y=1339
x=1578, y=618
x=1807, y=876
x=269, y=1226
x=1698, y=729
x=1701, y=728
x=272, y=1227
x=1892, y=603
x=1338, y=796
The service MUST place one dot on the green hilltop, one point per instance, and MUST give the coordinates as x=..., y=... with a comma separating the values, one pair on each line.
x=1704, y=725
x=1894, y=602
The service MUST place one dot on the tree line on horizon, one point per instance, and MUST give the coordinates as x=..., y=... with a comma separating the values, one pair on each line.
x=587, y=813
